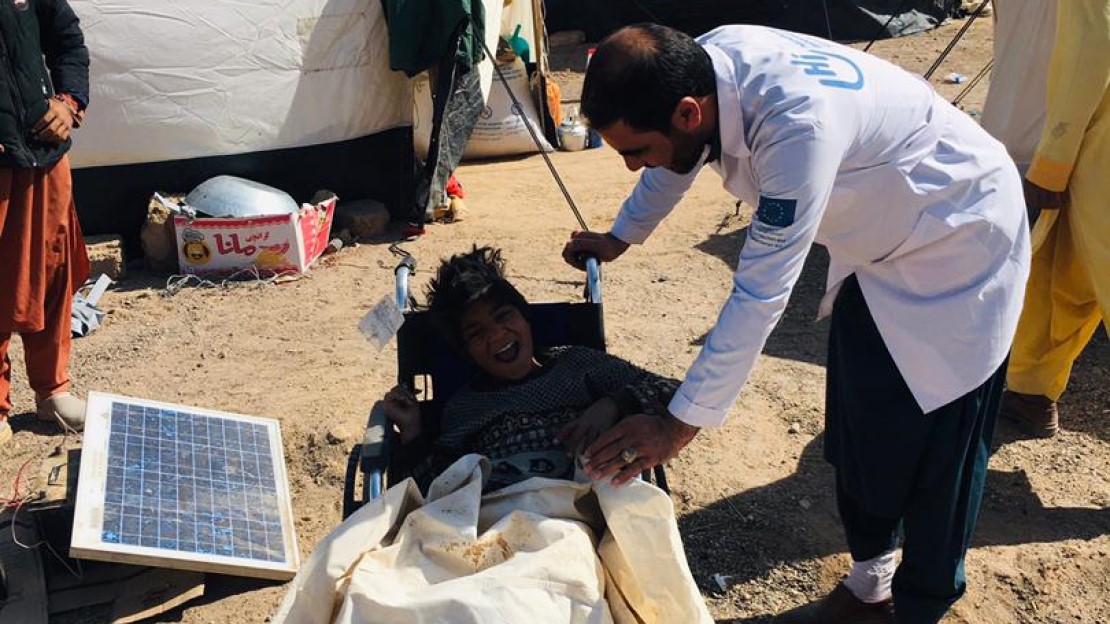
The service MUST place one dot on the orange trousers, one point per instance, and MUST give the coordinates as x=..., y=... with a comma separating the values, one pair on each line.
x=42, y=263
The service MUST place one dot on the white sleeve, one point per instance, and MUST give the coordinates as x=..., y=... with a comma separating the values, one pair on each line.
x=655, y=195
x=795, y=170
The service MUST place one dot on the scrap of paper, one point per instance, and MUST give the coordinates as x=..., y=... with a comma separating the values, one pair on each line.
x=380, y=324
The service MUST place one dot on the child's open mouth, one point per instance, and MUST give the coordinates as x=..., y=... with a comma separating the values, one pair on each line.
x=509, y=353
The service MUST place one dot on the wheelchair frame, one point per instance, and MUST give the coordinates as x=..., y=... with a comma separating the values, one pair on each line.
x=370, y=460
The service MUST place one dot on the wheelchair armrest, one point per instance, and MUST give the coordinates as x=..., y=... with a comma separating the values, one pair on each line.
x=374, y=449
x=350, y=482
x=370, y=460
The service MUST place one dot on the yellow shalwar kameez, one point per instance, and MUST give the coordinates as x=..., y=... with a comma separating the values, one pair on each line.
x=1068, y=294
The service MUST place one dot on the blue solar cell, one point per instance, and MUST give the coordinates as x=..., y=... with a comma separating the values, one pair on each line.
x=191, y=483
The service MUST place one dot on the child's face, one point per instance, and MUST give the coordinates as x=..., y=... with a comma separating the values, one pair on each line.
x=498, y=339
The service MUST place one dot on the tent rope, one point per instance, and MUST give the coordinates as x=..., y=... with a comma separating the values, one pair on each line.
x=651, y=16
x=882, y=29
x=956, y=39
x=828, y=22
x=519, y=110
x=974, y=81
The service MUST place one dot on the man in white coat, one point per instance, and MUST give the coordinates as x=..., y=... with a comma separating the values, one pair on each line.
x=921, y=212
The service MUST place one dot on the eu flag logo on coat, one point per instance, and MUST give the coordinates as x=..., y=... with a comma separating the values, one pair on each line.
x=776, y=212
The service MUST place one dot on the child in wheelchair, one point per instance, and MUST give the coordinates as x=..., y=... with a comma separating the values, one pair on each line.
x=530, y=411
x=474, y=538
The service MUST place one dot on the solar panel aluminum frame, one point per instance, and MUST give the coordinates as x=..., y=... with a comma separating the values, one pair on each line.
x=92, y=487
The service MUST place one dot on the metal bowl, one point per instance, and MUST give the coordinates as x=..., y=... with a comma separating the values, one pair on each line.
x=572, y=138
x=229, y=196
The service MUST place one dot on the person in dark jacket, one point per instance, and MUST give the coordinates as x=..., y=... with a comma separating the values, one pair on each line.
x=44, y=77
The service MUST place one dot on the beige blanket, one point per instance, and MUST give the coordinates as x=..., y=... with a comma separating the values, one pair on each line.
x=539, y=551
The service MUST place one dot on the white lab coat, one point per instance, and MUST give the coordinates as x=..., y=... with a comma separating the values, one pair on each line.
x=904, y=190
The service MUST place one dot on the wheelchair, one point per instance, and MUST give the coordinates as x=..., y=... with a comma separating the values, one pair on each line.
x=428, y=364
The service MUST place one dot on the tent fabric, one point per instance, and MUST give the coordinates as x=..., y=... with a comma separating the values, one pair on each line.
x=540, y=551
x=297, y=94
x=178, y=80
x=835, y=19
x=852, y=20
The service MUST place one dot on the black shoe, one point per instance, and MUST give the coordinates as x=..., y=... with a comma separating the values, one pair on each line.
x=1033, y=414
x=840, y=607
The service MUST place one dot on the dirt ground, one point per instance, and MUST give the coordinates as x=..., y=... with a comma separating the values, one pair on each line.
x=754, y=498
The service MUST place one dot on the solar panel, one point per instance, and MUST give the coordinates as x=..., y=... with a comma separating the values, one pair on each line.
x=181, y=487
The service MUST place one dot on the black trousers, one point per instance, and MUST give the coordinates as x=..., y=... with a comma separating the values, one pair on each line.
x=901, y=472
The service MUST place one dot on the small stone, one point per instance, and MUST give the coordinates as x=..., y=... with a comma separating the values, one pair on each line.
x=795, y=428
x=364, y=218
x=159, y=238
x=106, y=256
x=345, y=236
x=805, y=504
x=338, y=435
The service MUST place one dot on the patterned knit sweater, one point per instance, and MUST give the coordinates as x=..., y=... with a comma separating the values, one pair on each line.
x=514, y=424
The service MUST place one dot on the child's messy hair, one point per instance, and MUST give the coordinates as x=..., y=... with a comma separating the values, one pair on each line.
x=465, y=279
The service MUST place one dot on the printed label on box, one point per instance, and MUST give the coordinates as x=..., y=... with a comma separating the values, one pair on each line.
x=279, y=244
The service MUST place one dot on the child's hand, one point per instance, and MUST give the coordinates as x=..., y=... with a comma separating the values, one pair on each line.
x=402, y=410
x=582, y=431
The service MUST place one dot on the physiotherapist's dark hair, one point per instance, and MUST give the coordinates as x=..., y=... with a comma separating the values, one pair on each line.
x=465, y=279
x=639, y=74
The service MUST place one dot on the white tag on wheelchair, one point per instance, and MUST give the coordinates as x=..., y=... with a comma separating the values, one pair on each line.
x=380, y=324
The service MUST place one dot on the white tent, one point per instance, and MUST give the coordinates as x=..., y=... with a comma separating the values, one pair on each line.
x=297, y=94
x=177, y=80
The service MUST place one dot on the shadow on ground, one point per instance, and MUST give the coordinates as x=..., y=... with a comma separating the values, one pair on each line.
x=794, y=520
x=799, y=335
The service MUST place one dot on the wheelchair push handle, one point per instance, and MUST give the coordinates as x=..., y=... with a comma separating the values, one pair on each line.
x=593, y=279
x=405, y=268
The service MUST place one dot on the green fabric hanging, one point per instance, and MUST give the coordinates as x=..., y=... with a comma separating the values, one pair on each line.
x=421, y=31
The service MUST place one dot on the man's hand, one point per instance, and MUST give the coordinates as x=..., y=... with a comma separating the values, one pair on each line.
x=401, y=409
x=605, y=247
x=582, y=431
x=56, y=124
x=636, y=444
x=1038, y=198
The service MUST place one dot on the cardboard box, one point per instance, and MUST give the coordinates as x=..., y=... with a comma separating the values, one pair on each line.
x=277, y=244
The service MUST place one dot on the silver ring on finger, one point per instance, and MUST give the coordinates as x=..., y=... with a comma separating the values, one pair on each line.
x=629, y=455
